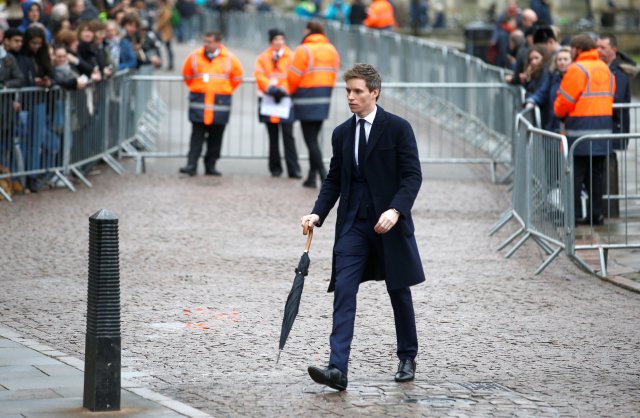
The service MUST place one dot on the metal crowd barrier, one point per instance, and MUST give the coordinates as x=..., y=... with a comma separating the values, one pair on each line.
x=543, y=201
x=540, y=189
x=398, y=58
x=621, y=227
x=46, y=134
x=450, y=127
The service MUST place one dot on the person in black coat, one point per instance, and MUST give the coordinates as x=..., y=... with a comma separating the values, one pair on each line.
x=37, y=71
x=10, y=78
x=358, y=13
x=375, y=174
x=623, y=69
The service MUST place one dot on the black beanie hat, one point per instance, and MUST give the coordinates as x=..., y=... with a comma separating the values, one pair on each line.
x=274, y=32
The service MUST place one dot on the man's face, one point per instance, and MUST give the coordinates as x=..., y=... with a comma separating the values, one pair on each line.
x=60, y=57
x=361, y=100
x=13, y=44
x=112, y=31
x=606, y=52
x=277, y=42
x=210, y=44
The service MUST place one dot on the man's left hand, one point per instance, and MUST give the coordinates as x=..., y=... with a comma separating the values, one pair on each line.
x=387, y=221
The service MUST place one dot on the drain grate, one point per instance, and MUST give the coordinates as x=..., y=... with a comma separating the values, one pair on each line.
x=486, y=386
x=441, y=401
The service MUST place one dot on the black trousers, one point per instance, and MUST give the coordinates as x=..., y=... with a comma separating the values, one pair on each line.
x=589, y=171
x=213, y=135
x=290, y=153
x=310, y=131
x=352, y=250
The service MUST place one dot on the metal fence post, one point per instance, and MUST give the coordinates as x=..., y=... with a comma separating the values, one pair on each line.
x=67, y=139
x=102, y=352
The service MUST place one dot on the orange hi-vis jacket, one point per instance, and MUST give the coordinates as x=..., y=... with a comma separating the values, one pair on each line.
x=267, y=68
x=312, y=76
x=211, y=84
x=585, y=99
x=380, y=15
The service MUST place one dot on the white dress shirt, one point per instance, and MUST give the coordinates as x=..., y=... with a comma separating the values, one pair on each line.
x=367, y=128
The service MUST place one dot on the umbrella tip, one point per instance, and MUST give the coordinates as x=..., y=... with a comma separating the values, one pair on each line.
x=278, y=359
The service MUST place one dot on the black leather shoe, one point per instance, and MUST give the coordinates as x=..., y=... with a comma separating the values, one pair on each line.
x=188, y=170
x=212, y=172
x=276, y=173
x=406, y=371
x=329, y=376
x=295, y=176
x=311, y=183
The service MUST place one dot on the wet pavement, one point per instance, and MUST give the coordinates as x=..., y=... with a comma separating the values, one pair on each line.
x=207, y=263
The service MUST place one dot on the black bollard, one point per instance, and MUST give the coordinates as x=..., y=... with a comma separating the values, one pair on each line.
x=102, y=347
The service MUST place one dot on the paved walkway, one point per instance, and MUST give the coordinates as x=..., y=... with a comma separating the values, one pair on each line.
x=39, y=381
x=206, y=265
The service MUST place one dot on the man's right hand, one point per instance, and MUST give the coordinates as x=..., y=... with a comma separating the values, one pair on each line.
x=312, y=219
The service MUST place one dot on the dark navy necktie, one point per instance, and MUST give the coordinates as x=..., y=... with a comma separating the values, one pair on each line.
x=362, y=146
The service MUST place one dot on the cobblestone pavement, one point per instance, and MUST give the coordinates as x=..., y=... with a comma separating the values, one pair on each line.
x=207, y=263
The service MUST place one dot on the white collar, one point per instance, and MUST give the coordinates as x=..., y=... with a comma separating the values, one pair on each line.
x=370, y=117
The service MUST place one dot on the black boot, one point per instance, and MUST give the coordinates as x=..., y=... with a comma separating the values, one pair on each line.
x=311, y=180
x=188, y=169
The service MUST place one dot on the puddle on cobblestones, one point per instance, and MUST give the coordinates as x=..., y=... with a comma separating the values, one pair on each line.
x=440, y=401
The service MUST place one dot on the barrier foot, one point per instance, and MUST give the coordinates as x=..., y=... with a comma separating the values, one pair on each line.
x=506, y=177
x=5, y=195
x=604, y=253
x=65, y=180
x=543, y=244
x=81, y=177
x=504, y=218
x=583, y=265
x=140, y=166
x=511, y=238
x=548, y=261
x=115, y=166
x=518, y=245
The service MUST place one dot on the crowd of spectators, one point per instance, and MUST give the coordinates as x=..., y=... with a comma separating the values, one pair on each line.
x=75, y=44
x=526, y=42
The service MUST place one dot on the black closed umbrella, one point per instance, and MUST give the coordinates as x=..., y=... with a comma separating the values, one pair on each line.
x=293, y=300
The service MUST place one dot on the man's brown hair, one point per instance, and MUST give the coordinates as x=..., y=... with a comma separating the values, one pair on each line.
x=367, y=73
x=315, y=27
x=583, y=42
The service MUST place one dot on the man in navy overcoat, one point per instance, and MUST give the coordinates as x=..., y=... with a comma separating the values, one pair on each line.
x=375, y=174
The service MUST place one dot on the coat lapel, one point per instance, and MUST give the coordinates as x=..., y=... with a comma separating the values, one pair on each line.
x=348, y=147
x=379, y=124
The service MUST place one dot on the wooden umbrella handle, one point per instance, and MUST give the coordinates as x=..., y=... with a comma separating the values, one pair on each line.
x=307, y=231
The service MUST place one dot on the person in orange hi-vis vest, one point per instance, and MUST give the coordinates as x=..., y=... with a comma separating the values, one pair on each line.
x=212, y=74
x=585, y=102
x=380, y=15
x=311, y=78
x=271, y=79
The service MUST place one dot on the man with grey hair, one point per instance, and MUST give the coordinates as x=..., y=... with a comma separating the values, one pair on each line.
x=375, y=174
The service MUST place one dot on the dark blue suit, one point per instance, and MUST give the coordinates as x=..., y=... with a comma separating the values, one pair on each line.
x=392, y=178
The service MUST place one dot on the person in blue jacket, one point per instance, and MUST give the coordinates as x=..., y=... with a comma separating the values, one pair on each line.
x=32, y=13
